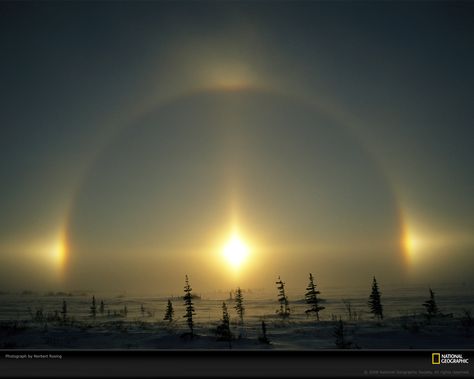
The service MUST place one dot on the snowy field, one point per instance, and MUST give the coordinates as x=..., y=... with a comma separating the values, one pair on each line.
x=142, y=326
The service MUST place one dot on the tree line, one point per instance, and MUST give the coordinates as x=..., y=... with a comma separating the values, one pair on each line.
x=311, y=298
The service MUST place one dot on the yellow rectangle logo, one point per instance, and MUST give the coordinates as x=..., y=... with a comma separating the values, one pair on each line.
x=435, y=358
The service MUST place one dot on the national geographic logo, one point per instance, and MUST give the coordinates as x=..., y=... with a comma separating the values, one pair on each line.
x=438, y=358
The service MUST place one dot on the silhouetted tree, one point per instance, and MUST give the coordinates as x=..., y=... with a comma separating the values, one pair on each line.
x=263, y=338
x=430, y=305
x=188, y=303
x=311, y=297
x=340, y=335
x=142, y=310
x=102, y=307
x=64, y=311
x=284, y=310
x=375, y=303
x=467, y=321
x=239, y=306
x=223, y=330
x=93, y=309
x=169, y=312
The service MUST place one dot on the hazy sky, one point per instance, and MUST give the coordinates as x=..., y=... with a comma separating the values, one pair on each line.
x=137, y=137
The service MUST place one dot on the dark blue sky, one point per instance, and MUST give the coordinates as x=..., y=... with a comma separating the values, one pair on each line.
x=379, y=95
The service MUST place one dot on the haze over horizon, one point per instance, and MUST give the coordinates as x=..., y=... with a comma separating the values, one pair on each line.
x=235, y=142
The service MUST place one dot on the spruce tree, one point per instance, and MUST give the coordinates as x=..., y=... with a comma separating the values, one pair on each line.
x=64, y=311
x=93, y=308
x=188, y=303
x=340, y=335
x=169, y=313
x=284, y=310
x=239, y=306
x=142, y=310
x=375, y=303
x=102, y=307
x=263, y=338
x=223, y=330
x=430, y=305
x=311, y=297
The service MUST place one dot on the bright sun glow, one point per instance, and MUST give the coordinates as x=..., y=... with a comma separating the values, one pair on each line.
x=235, y=251
x=411, y=243
x=58, y=252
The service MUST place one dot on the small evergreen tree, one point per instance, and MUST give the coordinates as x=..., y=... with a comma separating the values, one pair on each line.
x=311, y=298
x=375, y=303
x=93, y=309
x=102, y=307
x=125, y=310
x=284, y=310
x=340, y=335
x=189, y=306
x=430, y=305
x=169, y=312
x=223, y=330
x=239, y=306
x=142, y=310
x=64, y=311
x=263, y=338
x=467, y=321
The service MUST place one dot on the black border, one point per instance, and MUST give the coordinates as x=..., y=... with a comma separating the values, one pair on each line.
x=138, y=363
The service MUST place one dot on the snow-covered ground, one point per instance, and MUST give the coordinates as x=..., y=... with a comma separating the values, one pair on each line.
x=404, y=325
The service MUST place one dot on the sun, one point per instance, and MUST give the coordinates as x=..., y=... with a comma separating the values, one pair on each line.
x=235, y=251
